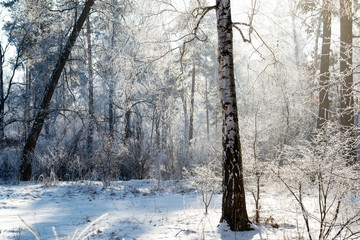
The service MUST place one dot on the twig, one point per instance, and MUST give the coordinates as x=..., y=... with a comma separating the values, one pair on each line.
x=179, y=232
x=92, y=224
x=30, y=229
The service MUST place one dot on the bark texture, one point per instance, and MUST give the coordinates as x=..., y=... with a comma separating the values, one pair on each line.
x=233, y=203
x=324, y=103
x=43, y=112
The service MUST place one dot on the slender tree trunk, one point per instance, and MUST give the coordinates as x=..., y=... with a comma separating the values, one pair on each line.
x=90, y=133
x=63, y=90
x=30, y=145
x=2, y=100
x=191, y=121
x=112, y=86
x=257, y=173
x=157, y=131
x=346, y=98
x=186, y=123
x=324, y=103
x=164, y=130
x=27, y=110
x=128, y=131
x=233, y=204
x=295, y=36
x=207, y=109
x=111, y=109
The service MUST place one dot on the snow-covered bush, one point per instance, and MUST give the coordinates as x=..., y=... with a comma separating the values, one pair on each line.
x=206, y=180
x=322, y=167
x=9, y=164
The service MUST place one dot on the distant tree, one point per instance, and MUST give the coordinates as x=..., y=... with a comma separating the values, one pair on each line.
x=192, y=101
x=6, y=86
x=90, y=134
x=346, y=75
x=324, y=102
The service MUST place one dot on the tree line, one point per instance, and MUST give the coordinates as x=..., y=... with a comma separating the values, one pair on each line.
x=123, y=89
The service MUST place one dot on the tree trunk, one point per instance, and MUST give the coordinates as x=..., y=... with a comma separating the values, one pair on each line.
x=128, y=130
x=346, y=75
x=27, y=110
x=191, y=120
x=112, y=87
x=90, y=133
x=207, y=110
x=157, y=131
x=233, y=203
x=111, y=109
x=186, y=123
x=294, y=32
x=324, y=103
x=2, y=100
x=30, y=145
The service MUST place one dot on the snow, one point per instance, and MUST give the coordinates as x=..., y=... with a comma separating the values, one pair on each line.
x=137, y=209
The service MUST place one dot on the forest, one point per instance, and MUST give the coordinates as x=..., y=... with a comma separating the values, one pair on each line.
x=240, y=103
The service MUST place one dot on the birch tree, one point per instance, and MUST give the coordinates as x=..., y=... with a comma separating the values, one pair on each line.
x=233, y=204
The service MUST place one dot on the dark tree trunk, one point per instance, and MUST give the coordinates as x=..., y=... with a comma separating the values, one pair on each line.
x=157, y=131
x=233, y=204
x=207, y=109
x=111, y=88
x=30, y=145
x=128, y=130
x=347, y=99
x=2, y=100
x=111, y=109
x=191, y=120
x=90, y=133
x=324, y=103
x=164, y=130
x=27, y=110
x=186, y=120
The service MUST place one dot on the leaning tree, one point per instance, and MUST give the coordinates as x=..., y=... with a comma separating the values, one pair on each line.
x=43, y=112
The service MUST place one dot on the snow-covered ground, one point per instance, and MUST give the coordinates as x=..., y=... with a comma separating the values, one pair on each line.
x=145, y=209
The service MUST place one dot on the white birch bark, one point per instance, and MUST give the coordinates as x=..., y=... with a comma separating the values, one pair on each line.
x=233, y=204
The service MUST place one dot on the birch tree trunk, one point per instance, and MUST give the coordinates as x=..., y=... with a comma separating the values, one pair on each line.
x=42, y=113
x=324, y=103
x=233, y=203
